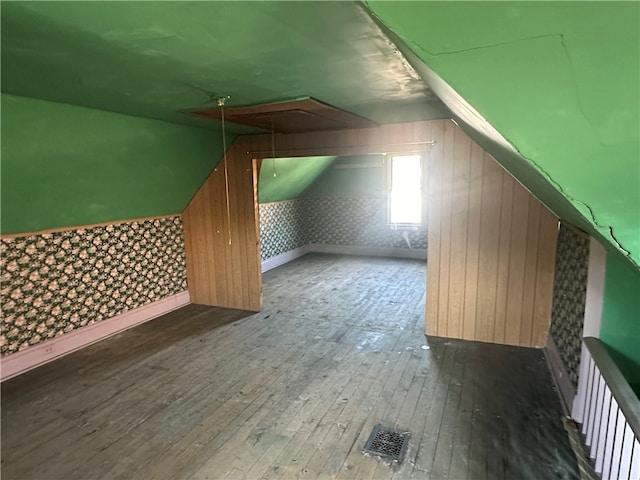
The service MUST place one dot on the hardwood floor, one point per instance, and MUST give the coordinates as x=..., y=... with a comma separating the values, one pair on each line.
x=290, y=392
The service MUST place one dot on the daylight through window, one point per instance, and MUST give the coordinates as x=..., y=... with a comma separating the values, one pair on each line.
x=405, y=190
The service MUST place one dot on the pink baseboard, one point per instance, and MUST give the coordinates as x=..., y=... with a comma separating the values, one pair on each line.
x=32, y=357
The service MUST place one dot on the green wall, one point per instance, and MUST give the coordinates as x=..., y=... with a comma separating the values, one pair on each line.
x=321, y=177
x=344, y=182
x=621, y=317
x=558, y=80
x=64, y=165
x=292, y=177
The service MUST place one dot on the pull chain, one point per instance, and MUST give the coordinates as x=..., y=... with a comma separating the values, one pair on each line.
x=221, y=101
x=273, y=150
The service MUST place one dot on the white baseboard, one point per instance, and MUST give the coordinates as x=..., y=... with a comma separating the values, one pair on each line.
x=560, y=375
x=32, y=357
x=286, y=257
x=415, y=253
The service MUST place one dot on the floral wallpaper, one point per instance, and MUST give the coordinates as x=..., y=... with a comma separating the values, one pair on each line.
x=569, y=297
x=54, y=283
x=281, y=227
x=359, y=221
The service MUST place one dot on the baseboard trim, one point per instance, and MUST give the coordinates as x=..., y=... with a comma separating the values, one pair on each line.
x=45, y=352
x=565, y=388
x=414, y=253
x=286, y=257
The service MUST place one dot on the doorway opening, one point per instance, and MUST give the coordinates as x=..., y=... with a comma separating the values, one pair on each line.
x=336, y=205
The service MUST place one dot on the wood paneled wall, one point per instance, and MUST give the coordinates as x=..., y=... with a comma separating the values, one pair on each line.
x=491, y=247
x=395, y=138
x=219, y=272
x=229, y=275
x=491, y=250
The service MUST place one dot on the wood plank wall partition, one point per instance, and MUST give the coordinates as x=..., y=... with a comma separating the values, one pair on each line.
x=394, y=138
x=491, y=247
x=219, y=272
x=226, y=275
x=491, y=250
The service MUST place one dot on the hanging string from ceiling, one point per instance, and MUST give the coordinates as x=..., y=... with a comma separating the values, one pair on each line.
x=273, y=150
x=221, y=102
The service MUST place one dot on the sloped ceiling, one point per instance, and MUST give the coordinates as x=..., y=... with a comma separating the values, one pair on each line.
x=64, y=165
x=161, y=59
x=558, y=80
x=287, y=178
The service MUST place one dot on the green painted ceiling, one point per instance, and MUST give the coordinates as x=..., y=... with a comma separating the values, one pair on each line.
x=159, y=59
x=558, y=80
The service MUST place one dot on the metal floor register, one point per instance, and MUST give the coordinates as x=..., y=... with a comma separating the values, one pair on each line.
x=386, y=443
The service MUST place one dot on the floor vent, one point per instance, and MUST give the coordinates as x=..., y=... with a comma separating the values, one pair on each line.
x=386, y=443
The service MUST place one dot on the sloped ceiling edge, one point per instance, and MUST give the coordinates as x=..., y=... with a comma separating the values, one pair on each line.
x=525, y=171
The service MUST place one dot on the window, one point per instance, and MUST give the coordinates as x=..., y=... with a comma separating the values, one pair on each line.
x=405, y=190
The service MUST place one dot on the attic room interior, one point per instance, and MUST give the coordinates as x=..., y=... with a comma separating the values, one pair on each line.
x=320, y=240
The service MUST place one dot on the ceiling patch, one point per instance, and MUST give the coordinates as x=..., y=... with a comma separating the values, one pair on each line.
x=296, y=116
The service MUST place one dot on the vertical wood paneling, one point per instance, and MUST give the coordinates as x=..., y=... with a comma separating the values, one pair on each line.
x=445, y=227
x=218, y=272
x=504, y=254
x=491, y=244
x=491, y=250
x=229, y=274
x=543, y=301
x=473, y=243
x=515, y=288
x=489, y=213
x=530, y=271
x=459, y=217
x=434, y=172
x=398, y=138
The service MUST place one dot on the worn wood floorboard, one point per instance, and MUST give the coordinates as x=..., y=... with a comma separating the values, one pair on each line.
x=291, y=392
